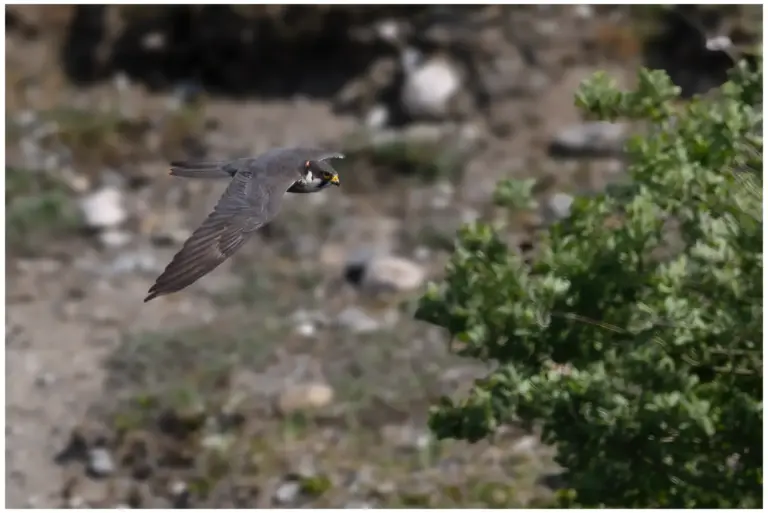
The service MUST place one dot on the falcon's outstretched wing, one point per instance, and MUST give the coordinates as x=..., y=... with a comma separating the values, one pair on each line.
x=234, y=218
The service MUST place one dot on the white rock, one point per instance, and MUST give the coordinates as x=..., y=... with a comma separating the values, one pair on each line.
x=112, y=238
x=525, y=445
x=306, y=329
x=122, y=82
x=216, y=442
x=558, y=207
x=177, y=487
x=357, y=321
x=103, y=208
x=429, y=87
x=100, y=462
x=422, y=253
x=719, y=43
x=287, y=492
x=377, y=117
x=388, y=30
x=584, y=11
x=153, y=41
x=392, y=274
x=26, y=118
x=406, y=437
x=137, y=261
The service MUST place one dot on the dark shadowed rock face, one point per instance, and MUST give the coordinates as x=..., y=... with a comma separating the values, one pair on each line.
x=323, y=51
x=262, y=50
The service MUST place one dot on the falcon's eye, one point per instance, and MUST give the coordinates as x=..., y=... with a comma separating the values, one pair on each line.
x=327, y=176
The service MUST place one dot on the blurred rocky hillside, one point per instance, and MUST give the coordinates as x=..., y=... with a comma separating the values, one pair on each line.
x=294, y=375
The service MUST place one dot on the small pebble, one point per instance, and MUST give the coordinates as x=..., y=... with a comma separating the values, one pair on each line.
x=100, y=462
x=357, y=321
x=45, y=380
x=306, y=329
x=114, y=239
x=177, y=487
x=136, y=261
x=525, y=445
x=305, y=396
x=287, y=492
x=377, y=117
x=558, y=207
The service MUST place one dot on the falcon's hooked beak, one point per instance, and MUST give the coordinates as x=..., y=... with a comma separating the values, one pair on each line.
x=327, y=173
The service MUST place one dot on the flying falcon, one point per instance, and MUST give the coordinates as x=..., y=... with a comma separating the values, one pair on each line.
x=251, y=200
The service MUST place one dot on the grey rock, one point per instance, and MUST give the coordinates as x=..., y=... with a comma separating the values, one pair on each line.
x=442, y=196
x=526, y=445
x=422, y=253
x=287, y=492
x=584, y=11
x=122, y=82
x=406, y=437
x=100, y=462
x=135, y=261
x=385, y=487
x=26, y=118
x=389, y=31
x=719, y=44
x=357, y=321
x=112, y=238
x=377, y=117
x=307, y=468
x=177, y=488
x=306, y=329
x=390, y=274
x=103, y=208
x=216, y=442
x=304, y=397
x=306, y=323
x=153, y=41
x=39, y=265
x=45, y=380
x=505, y=75
x=592, y=139
x=557, y=207
x=112, y=179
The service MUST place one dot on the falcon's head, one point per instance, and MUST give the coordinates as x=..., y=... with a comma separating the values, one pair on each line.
x=318, y=174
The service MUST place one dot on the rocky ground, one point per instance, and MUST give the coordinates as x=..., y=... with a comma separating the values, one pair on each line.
x=294, y=375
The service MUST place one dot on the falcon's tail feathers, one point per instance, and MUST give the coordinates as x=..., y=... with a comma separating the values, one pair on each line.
x=200, y=170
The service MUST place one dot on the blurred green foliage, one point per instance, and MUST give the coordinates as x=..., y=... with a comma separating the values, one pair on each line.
x=37, y=207
x=635, y=340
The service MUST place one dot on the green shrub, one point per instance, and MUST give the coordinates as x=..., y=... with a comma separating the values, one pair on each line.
x=635, y=338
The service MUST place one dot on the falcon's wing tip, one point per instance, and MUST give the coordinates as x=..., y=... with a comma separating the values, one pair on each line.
x=152, y=294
